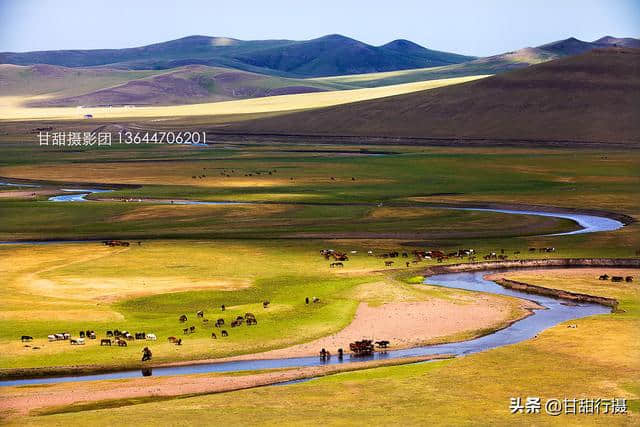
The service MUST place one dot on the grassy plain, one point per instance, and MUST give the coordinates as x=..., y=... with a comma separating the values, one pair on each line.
x=12, y=109
x=598, y=359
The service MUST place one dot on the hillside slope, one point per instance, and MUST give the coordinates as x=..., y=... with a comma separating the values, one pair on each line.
x=324, y=56
x=184, y=85
x=494, y=64
x=590, y=97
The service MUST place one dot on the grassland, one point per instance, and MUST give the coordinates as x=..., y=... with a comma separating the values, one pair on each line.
x=598, y=359
x=104, y=288
x=11, y=108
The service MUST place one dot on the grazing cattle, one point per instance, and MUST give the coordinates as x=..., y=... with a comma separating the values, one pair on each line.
x=146, y=354
x=183, y=318
x=572, y=326
x=179, y=341
x=192, y=329
x=26, y=338
x=172, y=339
x=122, y=343
x=408, y=263
x=336, y=264
x=405, y=255
x=140, y=335
x=185, y=331
x=105, y=341
x=51, y=337
x=205, y=320
x=92, y=335
x=200, y=313
x=151, y=337
x=251, y=321
x=81, y=334
x=628, y=279
x=306, y=300
x=224, y=333
x=616, y=279
x=265, y=304
x=77, y=341
x=219, y=322
x=109, y=333
x=316, y=299
x=213, y=335
x=604, y=277
x=222, y=307
x=388, y=263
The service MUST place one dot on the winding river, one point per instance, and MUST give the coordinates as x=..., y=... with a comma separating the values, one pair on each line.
x=554, y=312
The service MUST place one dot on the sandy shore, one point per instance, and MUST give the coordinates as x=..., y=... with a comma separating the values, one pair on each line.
x=404, y=324
x=19, y=401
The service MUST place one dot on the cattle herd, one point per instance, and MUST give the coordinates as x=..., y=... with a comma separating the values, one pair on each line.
x=628, y=279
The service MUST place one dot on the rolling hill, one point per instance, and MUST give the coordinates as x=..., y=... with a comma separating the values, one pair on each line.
x=590, y=97
x=54, y=86
x=488, y=65
x=324, y=56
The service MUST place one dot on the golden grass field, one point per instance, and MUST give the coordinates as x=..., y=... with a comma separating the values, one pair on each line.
x=11, y=107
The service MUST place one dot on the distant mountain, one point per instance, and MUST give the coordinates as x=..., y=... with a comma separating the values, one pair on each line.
x=324, y=56
x=61, y=86
x=495, y=64
x=590, y=97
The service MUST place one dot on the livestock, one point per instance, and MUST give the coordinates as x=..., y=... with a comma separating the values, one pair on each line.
x=77, y=341
x=388, y=263
x=122, y=343
x=26, y=338
x=213, y=335
x=628, y=279
x=183, y=318
x=265, y=304
x=224, y=333
x=219, y=322
x=172, y=339
x=146, y=354
x=382, y=344
x=105, y=341
x=604, y=277
x=200, y=313
x=140, y=335
x=81, y=334
x=617, y=279
x=336, y=264
x=151, y=337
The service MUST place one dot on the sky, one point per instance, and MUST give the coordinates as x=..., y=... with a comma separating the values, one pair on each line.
x=468, y=27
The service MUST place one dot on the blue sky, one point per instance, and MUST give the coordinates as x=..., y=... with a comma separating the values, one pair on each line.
x=463, y=26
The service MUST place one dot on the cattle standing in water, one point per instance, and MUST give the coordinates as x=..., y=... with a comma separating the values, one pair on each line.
x=340, y=353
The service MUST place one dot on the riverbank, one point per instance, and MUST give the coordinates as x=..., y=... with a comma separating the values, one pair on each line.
x=19, y=401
